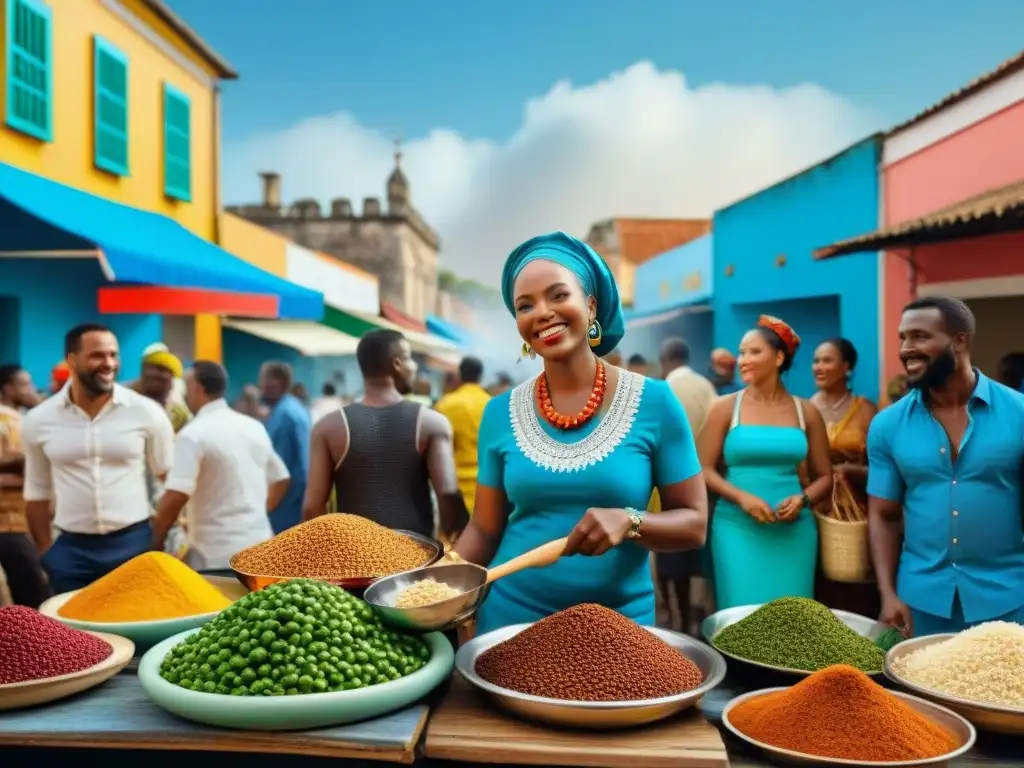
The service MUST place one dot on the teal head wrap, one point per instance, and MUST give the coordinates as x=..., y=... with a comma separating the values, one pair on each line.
x=589, y=268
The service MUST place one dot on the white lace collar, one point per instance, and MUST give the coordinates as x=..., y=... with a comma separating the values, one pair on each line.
x=546, y=452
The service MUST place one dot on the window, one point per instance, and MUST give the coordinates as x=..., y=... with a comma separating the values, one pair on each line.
x=29, y=68
x=110, y=84
x=177, y=144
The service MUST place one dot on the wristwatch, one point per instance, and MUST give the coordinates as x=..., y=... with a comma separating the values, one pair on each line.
x=805, y=501
x=636, y=519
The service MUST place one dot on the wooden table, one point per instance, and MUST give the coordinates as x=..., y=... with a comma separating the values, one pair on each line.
x=119, y=715
x=467, y=728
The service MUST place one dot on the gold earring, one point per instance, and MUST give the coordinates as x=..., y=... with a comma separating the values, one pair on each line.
x=528, y=351
x=594, y=333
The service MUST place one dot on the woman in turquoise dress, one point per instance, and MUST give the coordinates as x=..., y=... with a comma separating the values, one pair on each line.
x=577, y=451
x=764, y=540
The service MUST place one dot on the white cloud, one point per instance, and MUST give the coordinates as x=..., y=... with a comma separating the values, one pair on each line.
x=639, y=143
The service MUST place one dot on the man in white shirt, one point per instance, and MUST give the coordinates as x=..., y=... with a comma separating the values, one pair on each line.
x=86, y=451
x=694, y=391
x=687, y=595
x=326, y=404
x=225, y=465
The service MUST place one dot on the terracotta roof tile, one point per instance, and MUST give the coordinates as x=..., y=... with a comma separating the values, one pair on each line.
x=1008, y=67
x=643, y=239
x=995, y=210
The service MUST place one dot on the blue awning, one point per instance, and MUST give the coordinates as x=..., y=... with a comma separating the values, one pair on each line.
x=37, y=214
x=448, y=330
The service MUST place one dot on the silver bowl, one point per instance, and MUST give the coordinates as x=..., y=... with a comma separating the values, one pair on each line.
x=716, y=622
x=468, y=578
x=998, y=718
x=962, y=730
x=593, y=714
x=433, y=551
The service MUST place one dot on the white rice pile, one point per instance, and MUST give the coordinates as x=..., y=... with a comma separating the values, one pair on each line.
x=985, y=664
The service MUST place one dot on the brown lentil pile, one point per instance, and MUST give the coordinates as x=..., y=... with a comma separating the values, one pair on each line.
x=589, y=653
x=335, y=546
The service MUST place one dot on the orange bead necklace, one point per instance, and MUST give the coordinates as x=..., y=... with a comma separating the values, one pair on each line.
x=559, y=421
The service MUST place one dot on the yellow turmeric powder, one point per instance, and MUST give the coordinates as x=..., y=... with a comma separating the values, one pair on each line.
x=150, y=587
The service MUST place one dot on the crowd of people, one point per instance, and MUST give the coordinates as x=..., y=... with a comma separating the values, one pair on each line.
x=714, y=480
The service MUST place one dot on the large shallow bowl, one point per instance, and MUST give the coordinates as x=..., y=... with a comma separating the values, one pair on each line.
x=593, y=714
x=469, y=579
x=255, y=582
x=32, y=693
x=144, y=633
x=294, y=713
x=962, y=730
x=716, y=622
x=997, y=718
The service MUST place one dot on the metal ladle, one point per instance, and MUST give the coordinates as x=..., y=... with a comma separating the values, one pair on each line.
x=470, y=579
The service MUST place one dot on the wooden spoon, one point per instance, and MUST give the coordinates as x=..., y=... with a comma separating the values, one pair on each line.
x=546, y=554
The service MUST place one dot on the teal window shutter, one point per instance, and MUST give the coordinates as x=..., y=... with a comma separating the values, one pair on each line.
x=29, y=47
x=177, y=144
x=110, y=84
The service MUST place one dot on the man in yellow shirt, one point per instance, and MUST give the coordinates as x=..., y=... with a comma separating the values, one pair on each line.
x=464, y=408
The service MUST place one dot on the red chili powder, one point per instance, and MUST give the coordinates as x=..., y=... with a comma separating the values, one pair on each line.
x=33, y=647
x=842, y=713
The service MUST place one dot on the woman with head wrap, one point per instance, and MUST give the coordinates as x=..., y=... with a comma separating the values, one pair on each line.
x=577, y=450
x=764, y=541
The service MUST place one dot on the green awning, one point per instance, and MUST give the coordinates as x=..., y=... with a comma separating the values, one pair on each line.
x=356, y=324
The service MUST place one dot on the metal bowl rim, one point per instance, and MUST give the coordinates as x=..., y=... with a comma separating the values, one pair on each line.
x=715, y=675
x=972, y=735
x=437, y=552
x=924, y=690
x=380, y=579
x=786, y=670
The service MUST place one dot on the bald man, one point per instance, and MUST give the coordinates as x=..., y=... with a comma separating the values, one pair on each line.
x=723, y=371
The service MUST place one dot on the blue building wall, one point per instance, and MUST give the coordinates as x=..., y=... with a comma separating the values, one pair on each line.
x=678, y=279
x=42, y=299
x=835, y=199
x=679, y=276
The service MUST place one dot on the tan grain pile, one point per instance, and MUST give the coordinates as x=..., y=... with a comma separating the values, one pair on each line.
x=984, y=664
x=425, y=592
x=589, y=653
x=337, y=546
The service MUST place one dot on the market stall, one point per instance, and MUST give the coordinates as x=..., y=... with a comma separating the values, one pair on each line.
x=301, y=667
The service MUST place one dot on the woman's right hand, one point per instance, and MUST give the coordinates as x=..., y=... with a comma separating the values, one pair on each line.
x=757, y=508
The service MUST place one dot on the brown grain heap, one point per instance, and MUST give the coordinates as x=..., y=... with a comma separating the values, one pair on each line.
x=589, y=653
x=336, y=546
x=841, y=713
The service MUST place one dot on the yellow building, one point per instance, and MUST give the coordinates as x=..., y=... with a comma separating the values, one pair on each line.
x=120, y=100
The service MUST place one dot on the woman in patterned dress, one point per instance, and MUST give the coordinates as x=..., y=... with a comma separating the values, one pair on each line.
x=577, y=451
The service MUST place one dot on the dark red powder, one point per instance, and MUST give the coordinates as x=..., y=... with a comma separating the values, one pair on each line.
x=33, y=647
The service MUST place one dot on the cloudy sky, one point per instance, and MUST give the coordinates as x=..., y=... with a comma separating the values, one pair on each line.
x=527, y=117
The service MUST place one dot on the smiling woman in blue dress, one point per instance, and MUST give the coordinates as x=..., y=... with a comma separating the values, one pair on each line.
x=764, y=541
x=577, y=451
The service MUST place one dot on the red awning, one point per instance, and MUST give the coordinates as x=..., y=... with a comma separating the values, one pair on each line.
x=398, y=317
x=119, y=300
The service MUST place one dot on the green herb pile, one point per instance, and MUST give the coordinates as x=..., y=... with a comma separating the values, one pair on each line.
x=293, y=637
x=798, y=633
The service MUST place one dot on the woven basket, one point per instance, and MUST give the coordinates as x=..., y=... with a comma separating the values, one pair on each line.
x=844, y=550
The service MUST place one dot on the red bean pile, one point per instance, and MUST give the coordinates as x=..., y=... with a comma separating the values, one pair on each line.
x=33, y=647
x=589, y=653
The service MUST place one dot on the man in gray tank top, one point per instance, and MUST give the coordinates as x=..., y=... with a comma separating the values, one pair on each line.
x=382, y=453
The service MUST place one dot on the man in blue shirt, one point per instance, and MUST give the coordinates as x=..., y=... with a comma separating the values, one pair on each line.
x=289, y=427
x=947, y=456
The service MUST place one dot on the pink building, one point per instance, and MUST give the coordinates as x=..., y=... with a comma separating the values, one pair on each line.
x=952, y=218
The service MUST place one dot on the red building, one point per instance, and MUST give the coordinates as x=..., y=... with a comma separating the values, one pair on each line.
x=952, y=218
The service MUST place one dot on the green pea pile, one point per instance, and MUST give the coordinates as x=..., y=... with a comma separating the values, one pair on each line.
x=293, y=637
x=798, y=633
